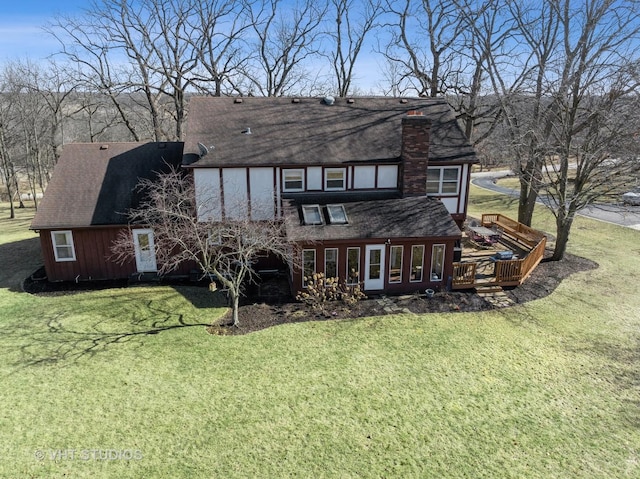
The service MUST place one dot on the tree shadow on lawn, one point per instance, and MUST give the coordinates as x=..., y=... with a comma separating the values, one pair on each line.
x=18, y=259
x=624, y=372
x=54, y=342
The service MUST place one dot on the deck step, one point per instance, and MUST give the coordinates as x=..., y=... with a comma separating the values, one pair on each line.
x=488, y=289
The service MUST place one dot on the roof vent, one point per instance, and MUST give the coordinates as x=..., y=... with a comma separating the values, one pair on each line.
x=404, y=100
x=247, y=131
x=237, y=100
x=350, y=101
x=104, y=147
x=295, y=100
x=329, y=100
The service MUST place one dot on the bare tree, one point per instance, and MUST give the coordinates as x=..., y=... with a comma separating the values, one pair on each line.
x=485, y=34
x=594, y=101
x=224, y=251
x=84, y=43
x=524, y=97
x=351, y=29
x=285, y=40
x=567, y=102
x=423, y=35
x=8, y=125
x=127, y=46
x=219, y=28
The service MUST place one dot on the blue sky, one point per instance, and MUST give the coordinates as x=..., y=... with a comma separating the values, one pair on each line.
x=21, y=22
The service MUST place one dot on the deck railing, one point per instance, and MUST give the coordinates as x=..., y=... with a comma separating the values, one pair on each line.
x=507, y=272
x=518, y=231
x=464, y=275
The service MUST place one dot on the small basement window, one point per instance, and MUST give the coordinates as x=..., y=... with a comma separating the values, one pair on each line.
x=312, y=215
x=63, y=249
x=337, y=214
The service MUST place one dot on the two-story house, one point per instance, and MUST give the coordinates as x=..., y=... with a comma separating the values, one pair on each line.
x=373, y=190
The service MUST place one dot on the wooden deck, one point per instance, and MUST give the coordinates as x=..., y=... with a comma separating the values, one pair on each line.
x=480, y=269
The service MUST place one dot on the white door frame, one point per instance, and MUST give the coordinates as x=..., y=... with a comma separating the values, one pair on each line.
x=375, y=283
x=145, y=253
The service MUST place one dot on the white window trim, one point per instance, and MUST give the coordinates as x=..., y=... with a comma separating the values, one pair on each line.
x=333, y=219
x=333, y=170
x=307, y=219
x=411, y=280
x=441, y=178
x=391, y=248
x=315, y=264
x=357, y=248
x=69, y=238
x=336, y=261
x=284, y=180
x=444, y=252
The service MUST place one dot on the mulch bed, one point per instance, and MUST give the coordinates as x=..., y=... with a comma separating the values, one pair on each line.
x=256, y=314
x=270, y=304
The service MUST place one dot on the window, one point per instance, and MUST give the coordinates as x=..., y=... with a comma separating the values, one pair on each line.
x=334, y=179
x=337, y=214
x=331, y=263
x=292, y=180
x=311, y=214
x=443, y=181
x=308, y=264
x=353, y=265
x=63, y=249
x=395, y=264
x=437, y=262
x=375, y=263
x=417, y=257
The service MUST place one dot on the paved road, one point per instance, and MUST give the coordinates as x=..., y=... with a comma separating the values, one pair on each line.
x=628, y=216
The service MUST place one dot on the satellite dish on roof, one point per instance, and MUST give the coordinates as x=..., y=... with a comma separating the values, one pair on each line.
x=203, y=149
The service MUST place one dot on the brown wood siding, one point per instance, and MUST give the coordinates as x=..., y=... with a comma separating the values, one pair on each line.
x=394, y=288
x=93, y=250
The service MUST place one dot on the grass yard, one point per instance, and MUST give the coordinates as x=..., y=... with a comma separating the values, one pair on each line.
x=125, y=383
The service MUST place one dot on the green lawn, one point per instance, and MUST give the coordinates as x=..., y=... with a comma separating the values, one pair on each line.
x=127, y=383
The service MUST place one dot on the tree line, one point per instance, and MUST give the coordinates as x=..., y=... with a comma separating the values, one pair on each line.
x=548, y=87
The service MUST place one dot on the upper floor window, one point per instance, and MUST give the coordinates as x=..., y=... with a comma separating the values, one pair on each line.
x=292, y=180
x=443, y=180
x=335, y=179
x=63, y=248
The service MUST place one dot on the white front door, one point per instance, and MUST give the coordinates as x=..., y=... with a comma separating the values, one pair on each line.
x=145, y=250
x=374, y=267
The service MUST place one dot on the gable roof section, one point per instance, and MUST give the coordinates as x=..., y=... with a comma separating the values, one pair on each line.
x=94, y=184
x=413, y=217
x=307, y=131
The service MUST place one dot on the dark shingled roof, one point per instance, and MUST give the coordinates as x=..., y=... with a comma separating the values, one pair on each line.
x=414, y=217
x=305, y=131
x=94, y=184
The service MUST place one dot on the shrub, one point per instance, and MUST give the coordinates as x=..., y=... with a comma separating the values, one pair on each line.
x=321, y=291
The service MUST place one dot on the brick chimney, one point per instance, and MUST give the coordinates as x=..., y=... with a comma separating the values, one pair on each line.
x=416, y=129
